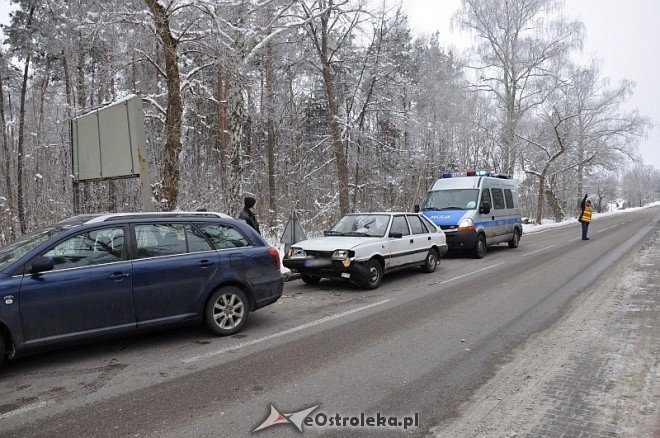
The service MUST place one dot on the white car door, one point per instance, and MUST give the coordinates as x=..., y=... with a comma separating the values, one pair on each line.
x=400, y=247
x=420, y=237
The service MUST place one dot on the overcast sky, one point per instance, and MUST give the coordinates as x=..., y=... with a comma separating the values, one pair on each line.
x=623, y=33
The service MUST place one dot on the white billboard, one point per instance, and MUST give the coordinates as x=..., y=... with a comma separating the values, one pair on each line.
x=109, y=142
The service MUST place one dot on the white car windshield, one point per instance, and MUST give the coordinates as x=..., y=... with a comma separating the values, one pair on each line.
x=367, y=225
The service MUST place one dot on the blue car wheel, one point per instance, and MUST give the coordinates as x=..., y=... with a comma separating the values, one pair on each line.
x=227, y=311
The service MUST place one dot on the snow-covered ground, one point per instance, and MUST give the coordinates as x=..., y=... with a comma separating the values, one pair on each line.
x=531, y=228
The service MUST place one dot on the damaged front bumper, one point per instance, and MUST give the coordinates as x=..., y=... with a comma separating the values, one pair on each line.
x=328, y=268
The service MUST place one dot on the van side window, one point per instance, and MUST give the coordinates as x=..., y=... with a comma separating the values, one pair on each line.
x=498, y=199
x=399, y=225
x=508, y=197
x=157, y=240
x=416, y=225
x=224, y=236
x=90, y=248
x=514, y=195
x=485, y=197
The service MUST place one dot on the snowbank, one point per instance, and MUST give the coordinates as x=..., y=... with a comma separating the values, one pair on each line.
x=530, y=228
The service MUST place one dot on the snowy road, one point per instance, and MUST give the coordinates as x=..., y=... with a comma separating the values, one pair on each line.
x=422, y=343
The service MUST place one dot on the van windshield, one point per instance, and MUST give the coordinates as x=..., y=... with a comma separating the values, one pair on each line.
x=18, y=248
x=455, y=199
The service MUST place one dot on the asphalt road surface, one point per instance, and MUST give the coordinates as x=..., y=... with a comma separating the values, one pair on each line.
x=420, y=344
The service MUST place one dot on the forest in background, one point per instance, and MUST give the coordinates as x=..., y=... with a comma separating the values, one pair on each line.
x=323, y=106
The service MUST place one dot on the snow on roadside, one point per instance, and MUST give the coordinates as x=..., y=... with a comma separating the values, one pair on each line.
x=532, y=228
x=592, y=373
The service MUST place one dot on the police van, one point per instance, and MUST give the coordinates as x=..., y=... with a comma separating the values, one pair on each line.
x=475, y=210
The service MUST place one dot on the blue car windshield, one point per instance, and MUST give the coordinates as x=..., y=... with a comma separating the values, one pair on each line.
x=456, y=199
x=18, y=248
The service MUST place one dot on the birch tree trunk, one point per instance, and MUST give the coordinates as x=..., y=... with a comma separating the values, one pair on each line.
x=580, y=169
x=40, y=129
x=236, y=135
x=236, y=117
x=7, y=164
x=221, y=141
x=539, y=198
x=333, y=112
x=270, y=129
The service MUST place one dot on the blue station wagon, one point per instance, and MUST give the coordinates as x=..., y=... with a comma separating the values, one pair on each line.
x=104, y=275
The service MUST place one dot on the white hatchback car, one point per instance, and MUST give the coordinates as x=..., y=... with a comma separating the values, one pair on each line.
x=363, y=247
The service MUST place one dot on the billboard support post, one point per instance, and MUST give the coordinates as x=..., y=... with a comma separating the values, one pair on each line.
x=76, y=197
x=143, y=168
x=145, y=185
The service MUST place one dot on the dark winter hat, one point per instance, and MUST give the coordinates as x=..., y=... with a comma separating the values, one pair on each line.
x=249, y=202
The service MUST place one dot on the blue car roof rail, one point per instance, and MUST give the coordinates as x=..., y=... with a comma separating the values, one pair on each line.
x=109, y=217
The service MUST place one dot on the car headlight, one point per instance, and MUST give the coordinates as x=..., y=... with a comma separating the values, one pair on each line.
x=298, y=253
x=340, y=254
x=465, y=224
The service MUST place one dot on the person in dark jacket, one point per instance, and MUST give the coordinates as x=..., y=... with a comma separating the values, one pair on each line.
x=247, y=214
x=585, y=216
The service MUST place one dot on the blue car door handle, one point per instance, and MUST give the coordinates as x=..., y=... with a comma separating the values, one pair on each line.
x=118, y=276
x=204, y=263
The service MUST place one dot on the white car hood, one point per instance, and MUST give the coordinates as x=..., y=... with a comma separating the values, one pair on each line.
x=332, y=243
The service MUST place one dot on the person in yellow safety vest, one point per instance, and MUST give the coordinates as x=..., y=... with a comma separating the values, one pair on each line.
x=585, y=216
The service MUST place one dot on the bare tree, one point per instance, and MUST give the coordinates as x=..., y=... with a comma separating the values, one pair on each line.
x=327, y=37
x=605, y=133
x=580, y=124
x=519, y=40
x=21, y=131
x=322, y=106
x=173, y=115
x=242, y=43
x=6, y=156
x=640, y=184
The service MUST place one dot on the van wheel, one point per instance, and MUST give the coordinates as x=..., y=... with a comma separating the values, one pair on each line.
x=431, y=261
x=479, y=250
x=310, y=279
x=375, y=274
x=227, y=311
x=515, y=240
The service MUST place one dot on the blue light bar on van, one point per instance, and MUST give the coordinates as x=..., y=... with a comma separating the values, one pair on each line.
x=490, y=173
x=454, y=174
